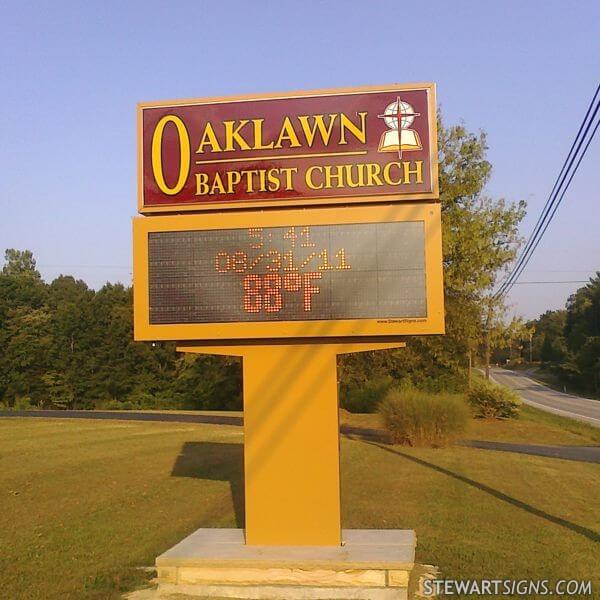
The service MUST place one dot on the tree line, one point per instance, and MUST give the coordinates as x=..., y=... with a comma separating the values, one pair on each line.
x=567, y=341
x=65, y=345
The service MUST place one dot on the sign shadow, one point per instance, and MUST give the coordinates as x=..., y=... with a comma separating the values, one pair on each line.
x=590, y=534
x=214, y=461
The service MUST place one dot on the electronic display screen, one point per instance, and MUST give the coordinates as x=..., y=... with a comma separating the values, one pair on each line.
x=291, y=273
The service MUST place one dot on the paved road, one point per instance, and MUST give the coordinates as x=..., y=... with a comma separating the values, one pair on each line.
x=172, y=417
x=123, y=415
x=580, y=453
x=544, y=398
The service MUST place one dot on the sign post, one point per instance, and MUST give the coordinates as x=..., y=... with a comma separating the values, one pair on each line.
x=288, y=229
x=291, y=440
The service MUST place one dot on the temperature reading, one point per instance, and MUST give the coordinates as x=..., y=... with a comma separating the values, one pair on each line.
x=266, y=292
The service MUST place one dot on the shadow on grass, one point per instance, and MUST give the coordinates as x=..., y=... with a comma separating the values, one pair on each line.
x=584, y=531
x=215, y=462
x=366, y=434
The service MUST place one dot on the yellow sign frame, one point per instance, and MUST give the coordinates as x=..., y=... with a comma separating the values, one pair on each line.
x=429, y=213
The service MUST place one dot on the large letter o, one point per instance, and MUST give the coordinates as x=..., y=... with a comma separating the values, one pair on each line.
x=184, y=155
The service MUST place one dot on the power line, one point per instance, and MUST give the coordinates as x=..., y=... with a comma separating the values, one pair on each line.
x=567, y=164
x=519, y=270
x=539, y=239
x=551, y=204
x=540, y=282
x=590, y=270
x=84, y=267
x=554, y=200
x=570, y=158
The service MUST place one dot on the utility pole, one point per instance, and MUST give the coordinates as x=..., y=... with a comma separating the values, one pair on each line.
x=487, y=342
x=470, y=366
x=487, y=352
x=530, y=346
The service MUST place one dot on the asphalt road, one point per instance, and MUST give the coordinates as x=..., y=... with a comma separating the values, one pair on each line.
x=124, y=415
x=545, y=398
x=578, y=453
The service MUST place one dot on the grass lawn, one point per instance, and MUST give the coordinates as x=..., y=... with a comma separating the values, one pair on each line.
x=83, y=503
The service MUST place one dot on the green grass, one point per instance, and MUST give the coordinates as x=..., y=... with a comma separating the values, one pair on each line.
x=481, y=514
x=83, y=503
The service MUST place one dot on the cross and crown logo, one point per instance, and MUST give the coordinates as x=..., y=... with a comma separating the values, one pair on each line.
x=399, y=117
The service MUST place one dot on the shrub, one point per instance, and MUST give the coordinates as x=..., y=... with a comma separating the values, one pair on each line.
x=23, y=403
x=442, y=380
x=365, y=398
x=141, y=400
x=415, y=418
x=491, y=401
x=58, y=393
x=113, y=404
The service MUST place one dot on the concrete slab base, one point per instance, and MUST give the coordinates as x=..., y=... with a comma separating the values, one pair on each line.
x=370, y=564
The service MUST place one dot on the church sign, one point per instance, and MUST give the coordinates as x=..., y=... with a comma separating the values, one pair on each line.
x=303, y=148
x=288, y=229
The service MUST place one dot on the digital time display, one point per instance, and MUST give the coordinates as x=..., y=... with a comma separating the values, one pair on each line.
x=291, y=273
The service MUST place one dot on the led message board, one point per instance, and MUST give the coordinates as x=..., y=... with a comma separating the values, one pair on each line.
x=319, y=147
x=316, y=273
x=354, y=271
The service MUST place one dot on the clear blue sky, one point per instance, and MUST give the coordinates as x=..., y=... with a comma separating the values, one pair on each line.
x=71, y=74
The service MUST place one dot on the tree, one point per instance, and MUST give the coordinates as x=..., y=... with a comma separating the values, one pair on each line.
x=480, y=238
x=19, y=262
x=58, y=392
x=66, y=345
x=548, y=342
x=28, y=339
x=209, y=382
x=582, y=333
x=503, y=337
x=568, y=341
x=24, y=332
x=20, y=283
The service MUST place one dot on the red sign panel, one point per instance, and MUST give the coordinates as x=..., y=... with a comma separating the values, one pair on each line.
x=322, y=147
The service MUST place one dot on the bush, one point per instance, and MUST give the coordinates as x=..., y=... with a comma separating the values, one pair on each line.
x=415, y=418
x=23, y=403
x=141, y=400
x=491, y=401
x=366, y=398
x=113, y=404
x=442, y=381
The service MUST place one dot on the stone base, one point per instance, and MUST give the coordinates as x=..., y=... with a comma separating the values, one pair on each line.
x=371, y=564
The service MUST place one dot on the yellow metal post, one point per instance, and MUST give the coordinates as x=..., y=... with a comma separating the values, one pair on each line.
x=291, y=440
x=291, y=446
